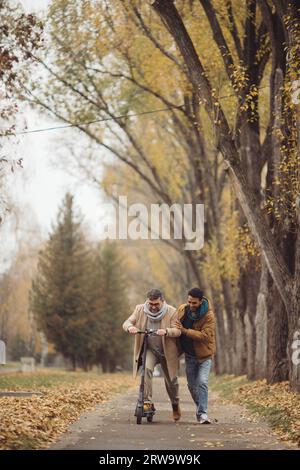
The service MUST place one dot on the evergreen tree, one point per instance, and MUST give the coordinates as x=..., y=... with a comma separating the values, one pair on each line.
x=112, y=305
x=60, y=296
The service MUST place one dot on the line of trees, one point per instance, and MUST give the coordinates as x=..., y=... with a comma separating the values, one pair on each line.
x=226, y=71
x=244, y=155
x=79, y=295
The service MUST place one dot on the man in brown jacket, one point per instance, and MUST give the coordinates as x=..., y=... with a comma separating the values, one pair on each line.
x=197, y=341
x=156, y=314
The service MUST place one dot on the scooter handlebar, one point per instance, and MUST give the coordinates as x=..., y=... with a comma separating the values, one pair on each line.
x=147, y=332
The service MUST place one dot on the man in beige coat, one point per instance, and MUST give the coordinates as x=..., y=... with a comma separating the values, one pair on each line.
x=156, y=314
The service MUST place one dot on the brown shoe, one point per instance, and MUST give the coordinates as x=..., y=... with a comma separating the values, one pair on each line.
x=176, y=412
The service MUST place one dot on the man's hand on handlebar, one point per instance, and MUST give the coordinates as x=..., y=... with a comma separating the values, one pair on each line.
x=133, y=330
x=161, y=332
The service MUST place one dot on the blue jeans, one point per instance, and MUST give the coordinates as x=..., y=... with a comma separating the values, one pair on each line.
x=197, y=378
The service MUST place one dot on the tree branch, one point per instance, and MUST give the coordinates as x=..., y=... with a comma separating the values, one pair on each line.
x=247, y=197
x=218, y=36
x=233, y=30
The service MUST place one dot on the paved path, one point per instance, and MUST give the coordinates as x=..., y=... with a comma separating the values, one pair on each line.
x=112, y=426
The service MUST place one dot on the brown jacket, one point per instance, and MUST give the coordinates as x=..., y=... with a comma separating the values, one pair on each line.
x=202, y=333
x=139, y=319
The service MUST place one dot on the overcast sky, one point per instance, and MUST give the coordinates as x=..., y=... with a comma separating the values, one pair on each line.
x=42, y=185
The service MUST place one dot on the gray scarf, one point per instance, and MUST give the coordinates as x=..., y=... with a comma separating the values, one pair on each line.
x=156, y=316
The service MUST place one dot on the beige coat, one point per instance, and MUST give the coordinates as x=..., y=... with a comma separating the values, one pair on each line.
x=139, y=320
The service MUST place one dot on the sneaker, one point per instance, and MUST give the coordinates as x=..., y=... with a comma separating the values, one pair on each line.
x=203, y=419
x=176, y=411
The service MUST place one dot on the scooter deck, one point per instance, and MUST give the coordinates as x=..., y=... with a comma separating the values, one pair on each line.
x=144, y=414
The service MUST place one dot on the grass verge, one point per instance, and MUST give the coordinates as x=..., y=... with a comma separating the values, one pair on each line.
x=276, y=403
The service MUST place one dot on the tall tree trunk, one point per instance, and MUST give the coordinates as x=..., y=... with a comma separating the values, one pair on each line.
x=44, y=349
x=294, y=315
x=240, y=362
x=222, y=361
x=292, y=22
x=252, y=289
x=277, y=361
x=261, y=320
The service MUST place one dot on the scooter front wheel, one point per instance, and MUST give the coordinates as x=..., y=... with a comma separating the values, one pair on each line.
x=139, y=415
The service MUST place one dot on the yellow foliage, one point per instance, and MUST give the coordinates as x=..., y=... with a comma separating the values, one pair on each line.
x=35, y=422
